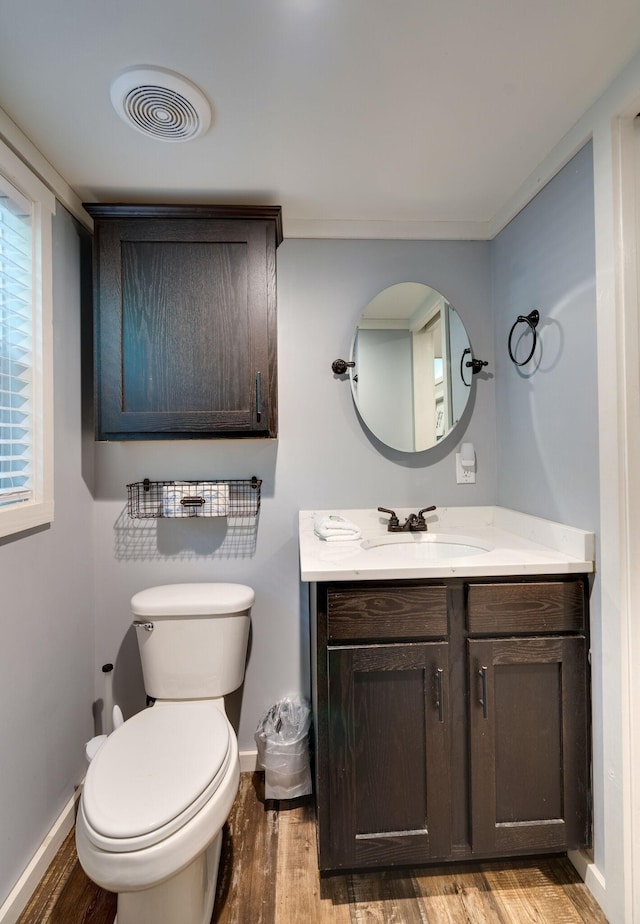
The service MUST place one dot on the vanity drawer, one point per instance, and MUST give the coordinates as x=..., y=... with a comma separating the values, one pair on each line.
x=387, y=613
x=523, y=608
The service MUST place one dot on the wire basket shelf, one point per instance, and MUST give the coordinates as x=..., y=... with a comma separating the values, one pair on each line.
x=237, y=498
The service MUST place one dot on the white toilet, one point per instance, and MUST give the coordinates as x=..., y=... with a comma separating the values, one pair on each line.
x=160, y=788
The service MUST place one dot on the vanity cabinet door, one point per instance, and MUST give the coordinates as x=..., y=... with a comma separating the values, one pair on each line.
x=389, y=782
x=529, y=744
x=185, y=323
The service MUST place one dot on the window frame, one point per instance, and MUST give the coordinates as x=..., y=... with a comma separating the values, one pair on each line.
x=38, y=511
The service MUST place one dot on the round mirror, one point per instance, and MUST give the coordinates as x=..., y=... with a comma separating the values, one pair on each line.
x=410, y=381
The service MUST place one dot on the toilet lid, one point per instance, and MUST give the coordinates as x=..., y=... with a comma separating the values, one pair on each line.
x=155, y=771
x=202, y=599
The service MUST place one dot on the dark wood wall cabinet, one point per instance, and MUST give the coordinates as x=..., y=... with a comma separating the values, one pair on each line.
x=185, y=321
x=451, y=719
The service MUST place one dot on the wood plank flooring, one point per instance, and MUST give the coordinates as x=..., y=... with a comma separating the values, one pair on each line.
x=268, y=875
x=66, y=896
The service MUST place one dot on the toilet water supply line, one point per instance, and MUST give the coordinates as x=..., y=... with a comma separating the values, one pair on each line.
x=107, y=703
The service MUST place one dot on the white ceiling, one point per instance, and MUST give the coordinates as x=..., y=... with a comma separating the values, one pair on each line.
x=401, y=112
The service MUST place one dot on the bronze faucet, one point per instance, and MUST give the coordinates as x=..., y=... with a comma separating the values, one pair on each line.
x=414, y=523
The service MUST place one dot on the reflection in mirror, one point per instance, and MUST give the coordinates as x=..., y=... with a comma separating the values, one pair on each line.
x=406, y=379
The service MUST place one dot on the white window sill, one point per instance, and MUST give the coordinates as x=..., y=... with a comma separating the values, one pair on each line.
x=25, y=516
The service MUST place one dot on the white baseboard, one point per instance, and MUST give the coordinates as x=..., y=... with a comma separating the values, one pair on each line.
x=590, y=874
x=248, y=764
x=26, y=885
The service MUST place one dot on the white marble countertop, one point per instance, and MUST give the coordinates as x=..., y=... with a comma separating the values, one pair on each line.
x=511, y=543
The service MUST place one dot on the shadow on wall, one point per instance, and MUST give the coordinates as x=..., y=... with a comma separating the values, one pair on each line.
x=128, y=684
x=129, y=692
x=180, y=539
x=440, y=450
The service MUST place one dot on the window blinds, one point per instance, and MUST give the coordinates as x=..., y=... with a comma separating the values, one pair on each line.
x=16, y=346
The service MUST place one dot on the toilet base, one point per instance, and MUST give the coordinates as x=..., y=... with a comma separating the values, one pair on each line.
x=187, y=897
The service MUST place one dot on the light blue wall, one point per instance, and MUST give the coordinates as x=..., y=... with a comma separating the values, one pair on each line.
x=547, y=410
x=46, y=612
x=323, y=458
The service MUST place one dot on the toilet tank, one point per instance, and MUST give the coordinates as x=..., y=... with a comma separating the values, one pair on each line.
x=192, y=638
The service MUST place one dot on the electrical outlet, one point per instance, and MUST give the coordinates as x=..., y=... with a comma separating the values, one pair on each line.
x=464, y=475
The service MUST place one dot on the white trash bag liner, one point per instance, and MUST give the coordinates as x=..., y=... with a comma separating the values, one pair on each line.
x=282, y=737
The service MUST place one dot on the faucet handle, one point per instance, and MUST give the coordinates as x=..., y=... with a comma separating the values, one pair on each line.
x=424, y=510
x=393, y=521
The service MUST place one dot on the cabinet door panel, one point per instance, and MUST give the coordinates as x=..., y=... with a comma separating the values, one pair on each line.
x=389, y=754
x=176, y=324
x=185, y=328
x=528, y=744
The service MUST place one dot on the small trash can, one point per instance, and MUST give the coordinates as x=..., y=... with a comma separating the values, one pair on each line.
x=282, y=737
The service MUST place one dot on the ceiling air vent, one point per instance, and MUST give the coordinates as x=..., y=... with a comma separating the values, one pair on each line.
x=160, y=104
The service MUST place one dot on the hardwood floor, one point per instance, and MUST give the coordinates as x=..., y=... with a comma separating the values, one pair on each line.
x=66, y=896
x=268, y=875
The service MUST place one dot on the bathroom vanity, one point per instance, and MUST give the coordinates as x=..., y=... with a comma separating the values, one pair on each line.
x=450, y=688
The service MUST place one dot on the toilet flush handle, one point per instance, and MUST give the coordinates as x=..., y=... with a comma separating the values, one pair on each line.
x=140, y=624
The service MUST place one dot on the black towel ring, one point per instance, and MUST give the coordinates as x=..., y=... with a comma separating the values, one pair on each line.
x=532, y=320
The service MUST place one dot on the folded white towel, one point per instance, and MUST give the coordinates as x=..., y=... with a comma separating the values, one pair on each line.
x=334, y=522
x=335, y=528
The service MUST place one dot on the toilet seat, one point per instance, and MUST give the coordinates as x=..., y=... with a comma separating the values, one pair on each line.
x=155, y=773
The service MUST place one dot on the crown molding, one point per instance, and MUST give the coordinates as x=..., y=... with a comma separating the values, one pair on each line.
x=29, y=154
x=386, y=230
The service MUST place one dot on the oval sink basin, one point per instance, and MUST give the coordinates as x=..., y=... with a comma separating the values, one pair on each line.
x=422, y=547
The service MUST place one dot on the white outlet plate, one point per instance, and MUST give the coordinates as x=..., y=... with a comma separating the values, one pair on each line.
x=464, y=475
